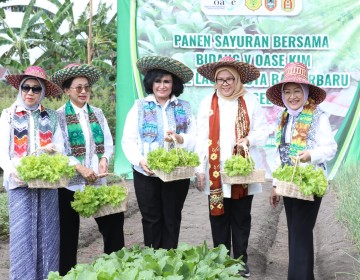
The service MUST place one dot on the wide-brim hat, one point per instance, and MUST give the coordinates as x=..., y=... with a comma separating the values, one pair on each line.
x=171, y=65
x=295, y=72
x=51, y=89
x=246, y=71
x=76, y=70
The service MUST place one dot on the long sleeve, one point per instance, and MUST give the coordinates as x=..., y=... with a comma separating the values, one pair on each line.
x=108, y=141
x=129, y=141
x=6, y=163
x=325, y=145
x=190, y=136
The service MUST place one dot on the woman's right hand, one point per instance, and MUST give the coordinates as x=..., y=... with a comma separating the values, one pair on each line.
x=88, y=174
x=200, y=181
x=144, y=165
x=274, y=198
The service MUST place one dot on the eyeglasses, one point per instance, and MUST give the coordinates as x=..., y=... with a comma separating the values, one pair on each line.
x=229, y=81
x=35, y=90
x=79, y=89
x=297, y=92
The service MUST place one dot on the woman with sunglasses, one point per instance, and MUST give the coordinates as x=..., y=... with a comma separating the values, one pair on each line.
x=89, y=144
x=26, y=127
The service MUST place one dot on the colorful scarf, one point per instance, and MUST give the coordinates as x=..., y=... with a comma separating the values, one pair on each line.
x=301, y=130
x=178, y=117
x=21, y=131
x=76, y=135
x=242, y=127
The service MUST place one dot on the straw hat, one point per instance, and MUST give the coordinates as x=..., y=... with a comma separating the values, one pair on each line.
x=171, y=65
x=295, y=72
x=51, y=89
x=246, y=71
x=76, y=70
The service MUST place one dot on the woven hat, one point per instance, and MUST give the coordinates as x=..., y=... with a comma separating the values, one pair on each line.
x=51, y=89
x=171, y=65
x=246, y=71
x=295, y=72
x=76, y=70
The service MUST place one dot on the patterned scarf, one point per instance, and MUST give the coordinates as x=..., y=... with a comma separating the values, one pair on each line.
x=76, y=135
x=301, y=130
x=149, y=126
x=21, y=131
x=242, y=127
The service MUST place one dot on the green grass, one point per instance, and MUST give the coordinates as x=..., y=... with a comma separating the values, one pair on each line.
x=4, y=215
x=346, y=185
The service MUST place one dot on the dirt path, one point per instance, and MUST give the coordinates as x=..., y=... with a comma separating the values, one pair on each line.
x=268, y=240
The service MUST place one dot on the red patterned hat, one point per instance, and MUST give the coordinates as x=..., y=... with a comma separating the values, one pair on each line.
x=295, y=72
x=51, y=89
x=246, y=71
x=76, y=70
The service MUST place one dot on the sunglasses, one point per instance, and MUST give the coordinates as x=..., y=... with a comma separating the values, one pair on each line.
x=35, y=90
x=79, y=89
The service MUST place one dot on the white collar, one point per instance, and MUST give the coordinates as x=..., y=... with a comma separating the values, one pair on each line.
x=78, y=110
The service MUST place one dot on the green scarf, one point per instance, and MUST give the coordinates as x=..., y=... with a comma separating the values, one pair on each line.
x=76, y=135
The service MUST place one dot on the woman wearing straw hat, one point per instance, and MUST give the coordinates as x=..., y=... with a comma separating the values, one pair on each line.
x=89, y=144
x=228, y=119
x=26, y=127
x=304, y=131
x=150, y=123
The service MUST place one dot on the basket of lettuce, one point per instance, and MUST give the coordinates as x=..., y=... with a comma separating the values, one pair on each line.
x=98, y=201
x=240, y=169
x=46, y=171
x=301, y=182
x=172, y=165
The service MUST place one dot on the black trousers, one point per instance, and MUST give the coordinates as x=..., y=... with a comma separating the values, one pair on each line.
x=301, y=217
x=160, y=204
x=233, y=226
x=111, y=227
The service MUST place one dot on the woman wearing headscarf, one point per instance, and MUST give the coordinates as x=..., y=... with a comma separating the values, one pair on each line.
x=27, y=126
x=150, y=124
x=303, y=131
x=228, y=119
x=89, y=145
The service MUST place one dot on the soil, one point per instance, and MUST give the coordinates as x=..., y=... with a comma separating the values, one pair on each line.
x=335, y=255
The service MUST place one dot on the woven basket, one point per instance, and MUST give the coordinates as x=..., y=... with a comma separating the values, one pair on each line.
x=40, y=184
x=108, y=209
x=289, y=189
x=179, y=173
x=257, y=176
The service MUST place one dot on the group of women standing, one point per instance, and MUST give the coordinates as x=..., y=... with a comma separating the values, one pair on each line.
x=44, y=229
x=228, y=119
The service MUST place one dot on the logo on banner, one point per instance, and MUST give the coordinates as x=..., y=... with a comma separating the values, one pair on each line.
x=253, y=5
x=288, y=5
x=270, y=4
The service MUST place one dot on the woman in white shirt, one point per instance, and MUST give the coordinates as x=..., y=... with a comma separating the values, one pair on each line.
x=304, y=131
x=27, y=127
x=89, y=145
x=150, y=124
x=227, y=120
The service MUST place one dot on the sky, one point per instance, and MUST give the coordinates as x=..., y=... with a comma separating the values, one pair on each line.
x=12, y=19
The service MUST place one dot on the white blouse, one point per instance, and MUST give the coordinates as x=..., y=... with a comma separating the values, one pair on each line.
x=228, y=111
x=9, y=165
x=131, y=140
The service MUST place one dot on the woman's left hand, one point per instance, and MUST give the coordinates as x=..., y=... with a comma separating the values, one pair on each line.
x=169, y=134
x=304, y=156
x=103, y=165
x=241, y=142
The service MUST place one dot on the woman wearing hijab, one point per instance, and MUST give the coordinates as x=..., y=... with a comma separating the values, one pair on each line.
x=304, y=131
x=89, y=145
x=150, y=124
x=27, y=126
x=227, y=120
